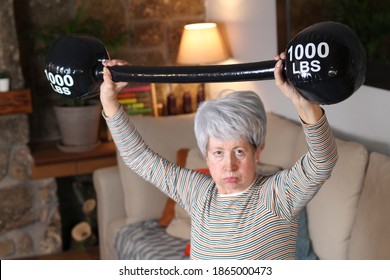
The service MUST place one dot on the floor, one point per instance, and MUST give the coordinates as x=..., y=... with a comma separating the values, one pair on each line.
x=88, y=254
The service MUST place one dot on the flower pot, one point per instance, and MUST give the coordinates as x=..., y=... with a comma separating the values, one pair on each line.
x=79, y=127
x=4, y=84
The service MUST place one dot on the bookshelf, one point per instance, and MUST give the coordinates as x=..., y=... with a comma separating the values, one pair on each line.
x=139, y=99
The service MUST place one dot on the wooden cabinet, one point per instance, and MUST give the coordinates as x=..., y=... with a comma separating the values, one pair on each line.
x=49, y=161
x=15, y=102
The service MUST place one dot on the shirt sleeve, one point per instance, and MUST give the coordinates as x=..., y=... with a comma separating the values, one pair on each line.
x=290, y=191
x=175, y=181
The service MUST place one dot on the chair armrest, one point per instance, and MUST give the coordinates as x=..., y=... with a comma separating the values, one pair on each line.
x=110, y=203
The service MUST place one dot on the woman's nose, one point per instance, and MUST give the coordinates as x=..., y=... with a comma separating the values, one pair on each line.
x=231, y=162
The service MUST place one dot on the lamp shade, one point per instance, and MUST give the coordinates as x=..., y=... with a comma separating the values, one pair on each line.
x=201, y=43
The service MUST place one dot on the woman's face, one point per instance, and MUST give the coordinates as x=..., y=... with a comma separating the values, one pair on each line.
x=232, y=164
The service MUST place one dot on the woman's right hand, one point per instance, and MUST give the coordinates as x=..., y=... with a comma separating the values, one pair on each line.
x=109, y=89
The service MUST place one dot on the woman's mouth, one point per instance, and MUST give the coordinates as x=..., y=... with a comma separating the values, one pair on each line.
x=231, y=179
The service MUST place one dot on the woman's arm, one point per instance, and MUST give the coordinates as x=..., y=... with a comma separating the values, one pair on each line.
x=174, y=181
x=295, y=187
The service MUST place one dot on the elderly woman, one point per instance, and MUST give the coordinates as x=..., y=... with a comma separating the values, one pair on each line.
x=235, y=214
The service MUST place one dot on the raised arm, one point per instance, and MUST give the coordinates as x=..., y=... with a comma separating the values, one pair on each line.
x=300, y=183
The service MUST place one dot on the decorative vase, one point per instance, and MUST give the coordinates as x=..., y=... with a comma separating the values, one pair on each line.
x=79, y=127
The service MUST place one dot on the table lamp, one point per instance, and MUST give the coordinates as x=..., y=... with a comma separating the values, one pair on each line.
x=201, y=44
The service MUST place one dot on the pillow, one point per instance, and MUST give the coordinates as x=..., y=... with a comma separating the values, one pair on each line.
x=371, y=230
x=173, y=132
x=180, y=226
x=280, y=141
x=168, y=213
x=190, y=158
x=267, y=169
x=195, y=160
x=187, y=251
x=332, y=211
x=169, y=209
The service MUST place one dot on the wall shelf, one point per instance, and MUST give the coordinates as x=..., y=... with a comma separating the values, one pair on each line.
x=15, y=102
x=49, y=161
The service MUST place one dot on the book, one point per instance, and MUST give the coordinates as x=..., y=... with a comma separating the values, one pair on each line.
x=125, y=101
x=139, y=111
x=122, y=95
x=137, y=88
x=137, y=98
x=135, y=106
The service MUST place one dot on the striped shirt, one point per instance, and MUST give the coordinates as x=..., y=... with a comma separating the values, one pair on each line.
x=259, y=223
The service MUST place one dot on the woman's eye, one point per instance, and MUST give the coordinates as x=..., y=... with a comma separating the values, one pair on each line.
x=218, y=153
x=240, y=152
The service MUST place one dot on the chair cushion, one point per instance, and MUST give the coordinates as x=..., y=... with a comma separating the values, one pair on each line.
x=169, y=210
x=280, y=141
x=165, y=135
x=180, y=226
x=331, y=213
x=168, y=213
x=371, y=231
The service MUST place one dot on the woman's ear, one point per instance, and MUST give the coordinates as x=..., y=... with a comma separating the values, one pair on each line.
x=258, y=153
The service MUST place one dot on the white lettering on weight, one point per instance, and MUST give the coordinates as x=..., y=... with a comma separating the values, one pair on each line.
x=302, y=56
x=60, y=84
x=308, y=51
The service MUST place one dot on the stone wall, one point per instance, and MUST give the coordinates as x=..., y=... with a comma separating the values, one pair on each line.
x=29, y=219
x=29, y=216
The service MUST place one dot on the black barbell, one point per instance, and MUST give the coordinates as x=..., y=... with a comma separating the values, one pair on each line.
x=325, y=62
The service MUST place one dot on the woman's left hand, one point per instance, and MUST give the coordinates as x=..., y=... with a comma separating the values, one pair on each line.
x=308, y=111
x=108, y=85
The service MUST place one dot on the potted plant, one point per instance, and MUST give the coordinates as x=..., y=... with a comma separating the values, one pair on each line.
x=4, y=81
x=79, y=119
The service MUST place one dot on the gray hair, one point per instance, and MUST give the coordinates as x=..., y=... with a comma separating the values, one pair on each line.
x=237, y=115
